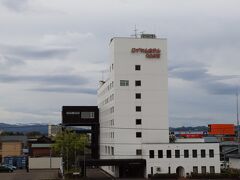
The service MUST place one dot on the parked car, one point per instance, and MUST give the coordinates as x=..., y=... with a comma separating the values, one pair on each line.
x=5, y=169
x=10, y=166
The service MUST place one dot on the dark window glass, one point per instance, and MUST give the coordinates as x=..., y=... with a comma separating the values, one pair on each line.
x=177, y=153
x=138, y=108
x=204, y=169
x=203, y=153
x=138, y=83
x=212, y=169
x=138, y=121
x=151, y=153
x=186, y=153
x=138, y=134
x=195, y=169
x=160, y=153
x=211, y=153
x=138, y=152
x=137, y=67
x=194, y=153
x=138, y=95
x=169, y=154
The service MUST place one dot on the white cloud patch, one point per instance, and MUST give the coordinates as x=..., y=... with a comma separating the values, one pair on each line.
x=67, y=39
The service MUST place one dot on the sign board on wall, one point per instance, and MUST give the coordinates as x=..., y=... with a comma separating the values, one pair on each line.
x=149, y=52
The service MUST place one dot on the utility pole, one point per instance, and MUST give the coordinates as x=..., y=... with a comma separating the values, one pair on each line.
x=238, y=134
x=50, y=157
x=75, y=154
x=84, y=159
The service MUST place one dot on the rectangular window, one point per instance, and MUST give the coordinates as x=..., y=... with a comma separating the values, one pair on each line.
x=203, y=153
x=124, y=83
x=138, y=134
x=169, y=154
x=195, y=169
x=138, y=83
x=87, y=115
x=204, y=170
x=138, y=108
x=186, y=153
x=169, y=170
x=212, y=169
x=112, y=149
x=194, y=153
x=177, y=153
x=138, y=152
x=151, y=153
x=138, y=95
x=160, y=153
x=211, y=153
x=138, y=121
x=137, y=67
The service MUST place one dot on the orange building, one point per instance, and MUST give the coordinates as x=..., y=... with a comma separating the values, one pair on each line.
x=221, y=129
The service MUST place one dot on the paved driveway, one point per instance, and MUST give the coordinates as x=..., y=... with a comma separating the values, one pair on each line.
x=32, y=175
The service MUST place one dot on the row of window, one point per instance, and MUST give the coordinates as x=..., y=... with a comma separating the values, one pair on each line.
x=109, y=150
x=107, y=111
x=107, y=100
x=126, y=83
x=203, y=169
x=106, y=89
x=178, y=154
x=83, y=115
x=195, y=169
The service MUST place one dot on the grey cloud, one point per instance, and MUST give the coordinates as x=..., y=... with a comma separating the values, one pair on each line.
x=36, y=53
x=220, y=88
x=15, y=5
x=211, y=83
x=67, y=90
x=9, y=61
x=47, y=79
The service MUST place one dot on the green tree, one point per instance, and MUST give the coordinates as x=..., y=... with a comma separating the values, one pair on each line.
x=69, y=145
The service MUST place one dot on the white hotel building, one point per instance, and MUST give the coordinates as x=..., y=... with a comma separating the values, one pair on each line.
x=133, y=107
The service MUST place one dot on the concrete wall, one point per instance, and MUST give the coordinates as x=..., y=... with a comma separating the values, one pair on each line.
x=234, y=163
x=45, y=163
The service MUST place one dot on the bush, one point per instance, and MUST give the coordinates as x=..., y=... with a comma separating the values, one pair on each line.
x=158, y=176
x=214, y=176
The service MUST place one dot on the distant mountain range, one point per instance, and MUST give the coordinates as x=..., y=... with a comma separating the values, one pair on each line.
x=24, y=128
x=43, y=128
x=183, y=128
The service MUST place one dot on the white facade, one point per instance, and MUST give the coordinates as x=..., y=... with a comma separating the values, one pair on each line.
x=133, y=105
x=206, y=157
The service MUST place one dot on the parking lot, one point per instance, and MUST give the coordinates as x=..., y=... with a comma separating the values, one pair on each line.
x=31, y=175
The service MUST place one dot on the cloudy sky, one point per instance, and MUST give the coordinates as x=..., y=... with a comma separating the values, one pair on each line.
x=52, y=53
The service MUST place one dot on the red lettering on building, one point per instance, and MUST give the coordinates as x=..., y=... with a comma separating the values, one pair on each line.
x=149, y=52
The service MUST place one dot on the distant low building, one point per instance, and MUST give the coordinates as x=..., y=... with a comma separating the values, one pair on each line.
x=42, y=147
x=53, y=130
x=12, y=146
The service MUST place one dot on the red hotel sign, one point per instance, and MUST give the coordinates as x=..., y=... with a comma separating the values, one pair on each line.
x=149, y=52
